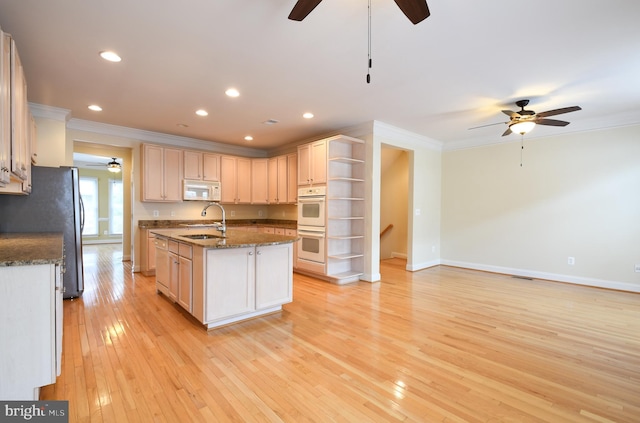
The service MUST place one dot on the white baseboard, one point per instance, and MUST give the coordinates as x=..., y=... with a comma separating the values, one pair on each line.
x=578, y=280
x=398, y=255
x=101, y=241
x=419, y=266
x=371, y=277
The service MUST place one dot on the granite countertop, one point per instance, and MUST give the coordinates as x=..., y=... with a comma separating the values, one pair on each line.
x=22, y=249
x=234, y=238
x=158, y=224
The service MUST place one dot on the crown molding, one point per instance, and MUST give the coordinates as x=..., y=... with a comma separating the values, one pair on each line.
x=402, y=136
x=49, y=112
x=160, y=138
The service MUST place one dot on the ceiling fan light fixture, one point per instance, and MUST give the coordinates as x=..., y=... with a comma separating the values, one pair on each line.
x=114, y=166
x=522, y=127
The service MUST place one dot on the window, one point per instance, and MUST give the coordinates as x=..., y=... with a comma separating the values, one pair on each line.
x=89, y=193
x=115, y=207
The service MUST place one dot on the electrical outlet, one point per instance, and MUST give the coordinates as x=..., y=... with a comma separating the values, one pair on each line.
x=637, y=268
x=173, y=213
x=156, y=213
x=233, y=213
x=571, y=261
x=417, y=212
x=433, y=248
x=105, y=233
x=283, y=214
x=260, y=213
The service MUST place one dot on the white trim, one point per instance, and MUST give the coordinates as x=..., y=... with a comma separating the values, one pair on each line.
x=420, y=266
x=371, y=277
x=577, y=280
x=101, y=241
x=404, y=137
x=160, y=138
x=398, y=255
x=49, y=112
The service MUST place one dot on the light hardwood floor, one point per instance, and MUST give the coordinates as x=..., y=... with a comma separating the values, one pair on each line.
x=438, y=345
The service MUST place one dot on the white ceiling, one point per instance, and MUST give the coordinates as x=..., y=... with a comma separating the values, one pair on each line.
x=455, y=70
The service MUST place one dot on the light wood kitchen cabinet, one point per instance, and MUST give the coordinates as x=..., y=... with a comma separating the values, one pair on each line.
x=185, y=280
x=259, y=181
x=274, y=279
x=230, y=282
x=5, y=109
x=235, y=180
x=278, y=188
x=161, y=174
x=312, y=163
x=31, y=329
x=174, y=270
x=292, y=178
x=162, y=264
x=192, y=165
x=201, y=166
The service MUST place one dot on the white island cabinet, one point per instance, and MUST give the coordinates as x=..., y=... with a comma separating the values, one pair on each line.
x=244, y=275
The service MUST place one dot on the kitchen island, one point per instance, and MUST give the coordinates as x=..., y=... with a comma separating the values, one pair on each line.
x=222, y=280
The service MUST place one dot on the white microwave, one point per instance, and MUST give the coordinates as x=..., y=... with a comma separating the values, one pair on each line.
x=201, y=191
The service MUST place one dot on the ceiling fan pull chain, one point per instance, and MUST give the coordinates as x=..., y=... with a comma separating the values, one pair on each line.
x=369, y=47
x=521, y=147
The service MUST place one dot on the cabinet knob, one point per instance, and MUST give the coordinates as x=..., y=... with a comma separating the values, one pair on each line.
x=250, y=253
x=259, y=253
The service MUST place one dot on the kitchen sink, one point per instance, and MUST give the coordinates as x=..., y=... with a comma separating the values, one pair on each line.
x=202, y=236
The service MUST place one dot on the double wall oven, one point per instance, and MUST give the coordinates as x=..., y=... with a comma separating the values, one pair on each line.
x=311, y=228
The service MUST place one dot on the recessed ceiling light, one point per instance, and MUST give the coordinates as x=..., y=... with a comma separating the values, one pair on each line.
x=232, y=92
x=202, y=112
x=110, y=56
x=248, y=138
x=307, y=115
x=95, y=108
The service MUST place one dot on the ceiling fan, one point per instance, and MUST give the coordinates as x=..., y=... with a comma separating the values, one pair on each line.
x=112, y=166
x=524, y=121
x=415, y=10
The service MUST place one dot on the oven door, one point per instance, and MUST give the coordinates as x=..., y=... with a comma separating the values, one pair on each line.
x=311, y=244
x=311, y=211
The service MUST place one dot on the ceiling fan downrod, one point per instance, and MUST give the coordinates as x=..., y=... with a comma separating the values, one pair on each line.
x=369, y=62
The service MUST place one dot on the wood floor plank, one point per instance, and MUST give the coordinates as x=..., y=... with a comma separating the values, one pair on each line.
x=437, y=345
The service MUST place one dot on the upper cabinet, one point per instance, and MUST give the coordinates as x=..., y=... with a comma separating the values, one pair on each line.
x=161, y=173
x=17, y=126
x=235, y=180
x=260, y=181
x=312, y=163
x=201, y=166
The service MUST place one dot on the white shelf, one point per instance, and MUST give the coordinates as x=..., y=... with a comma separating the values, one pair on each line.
x=343, y=179
x=346, y=217
x=348, y=160
x=354, y=236
x=346, y=275
x=346, y=198
x=346, y=256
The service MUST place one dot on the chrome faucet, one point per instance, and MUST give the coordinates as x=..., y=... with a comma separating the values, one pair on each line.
x=222, y=227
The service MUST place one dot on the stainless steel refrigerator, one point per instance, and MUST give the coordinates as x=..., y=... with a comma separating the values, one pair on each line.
x=54, y=205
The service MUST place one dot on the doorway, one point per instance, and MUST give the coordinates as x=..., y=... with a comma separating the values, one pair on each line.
x=117, y=182
x=394, y=202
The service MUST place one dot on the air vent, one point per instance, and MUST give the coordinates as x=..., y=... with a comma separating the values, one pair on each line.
x=270, y=122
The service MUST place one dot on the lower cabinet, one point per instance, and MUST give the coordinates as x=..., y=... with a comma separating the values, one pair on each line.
x=30, y=329
x=174, y=271
x=241, y=283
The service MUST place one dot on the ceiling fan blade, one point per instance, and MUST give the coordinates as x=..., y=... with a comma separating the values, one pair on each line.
x=415, y=10
x=507, y=132
x=302, y=9
x=551, y=122
x=510, y=113
x=559, y=111
x=491, y=124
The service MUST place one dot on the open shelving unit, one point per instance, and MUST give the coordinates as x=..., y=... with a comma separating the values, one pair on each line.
x=345, y=209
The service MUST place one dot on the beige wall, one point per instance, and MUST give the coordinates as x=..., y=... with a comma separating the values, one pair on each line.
x=576, y=195
x=394, y=200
